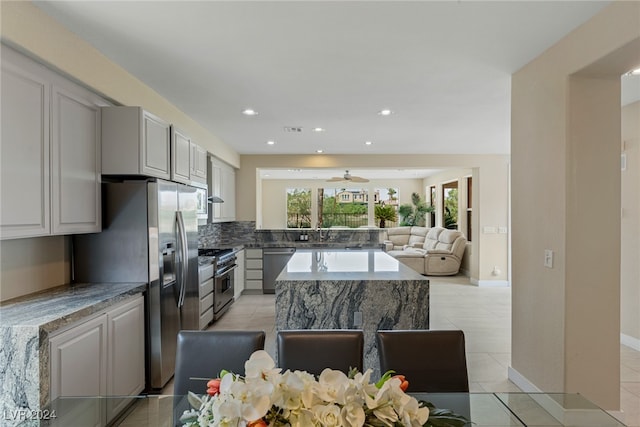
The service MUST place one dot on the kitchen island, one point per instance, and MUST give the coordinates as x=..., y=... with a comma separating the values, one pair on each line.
x=351, y=289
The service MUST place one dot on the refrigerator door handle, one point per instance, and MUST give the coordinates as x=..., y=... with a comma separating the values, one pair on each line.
x=182, y=238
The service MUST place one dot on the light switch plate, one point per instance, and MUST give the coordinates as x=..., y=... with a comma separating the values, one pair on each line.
x=548, y=258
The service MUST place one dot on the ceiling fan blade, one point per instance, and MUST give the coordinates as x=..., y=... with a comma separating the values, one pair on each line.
x=335, y=179
x=358, y=179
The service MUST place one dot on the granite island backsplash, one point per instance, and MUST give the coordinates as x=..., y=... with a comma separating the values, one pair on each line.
x=244, y=233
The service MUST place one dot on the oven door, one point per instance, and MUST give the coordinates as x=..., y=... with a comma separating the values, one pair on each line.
x=223, y=291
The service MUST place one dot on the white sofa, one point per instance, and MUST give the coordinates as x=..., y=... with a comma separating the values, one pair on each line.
x=431, y=251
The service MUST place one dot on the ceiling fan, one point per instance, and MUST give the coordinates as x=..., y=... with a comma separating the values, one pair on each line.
x=347, y=177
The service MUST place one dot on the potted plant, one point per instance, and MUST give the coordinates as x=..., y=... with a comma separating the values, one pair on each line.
x=414, y=214
x=385, y=213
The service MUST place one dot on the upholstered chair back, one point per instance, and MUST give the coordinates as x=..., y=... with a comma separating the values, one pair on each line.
x=431, y=239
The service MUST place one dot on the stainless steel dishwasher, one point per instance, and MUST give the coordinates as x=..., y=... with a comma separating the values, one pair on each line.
x=273, y=260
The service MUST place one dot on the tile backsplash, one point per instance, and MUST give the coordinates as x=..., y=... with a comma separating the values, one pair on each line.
x=244, y=233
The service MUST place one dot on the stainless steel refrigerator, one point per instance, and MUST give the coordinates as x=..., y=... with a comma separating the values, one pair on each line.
x=150, y=235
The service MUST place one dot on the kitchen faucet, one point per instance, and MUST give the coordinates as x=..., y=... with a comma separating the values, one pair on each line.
x=319, y=228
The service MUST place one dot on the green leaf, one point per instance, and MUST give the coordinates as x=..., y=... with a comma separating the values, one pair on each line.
x=194, y=400
x=383, y=379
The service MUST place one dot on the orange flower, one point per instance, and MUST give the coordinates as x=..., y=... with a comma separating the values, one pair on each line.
x=257, y=423
x=213, y=387
x=404, y=384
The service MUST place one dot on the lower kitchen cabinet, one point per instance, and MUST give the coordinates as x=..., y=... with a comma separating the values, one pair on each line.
x=102, y=356
x=205, y=276
x=125, y=354
x=253, y=269
x=239, y=279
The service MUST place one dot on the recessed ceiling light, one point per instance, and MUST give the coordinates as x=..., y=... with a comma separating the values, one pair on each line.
x=385, y=112
x=249, y=112
x=318, y=129
x=320, y=151
x=271, y=143
x=368, y=143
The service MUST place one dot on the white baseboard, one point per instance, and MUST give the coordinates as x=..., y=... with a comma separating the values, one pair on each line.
x=630, y=342
x=490, y=283
x=521, y=381
x=567, y=416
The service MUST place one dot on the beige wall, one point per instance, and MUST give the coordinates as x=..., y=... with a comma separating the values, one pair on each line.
x=490, y=174
x=565, y=155
x=630, y=236
x=274, y=200
x=31, y=265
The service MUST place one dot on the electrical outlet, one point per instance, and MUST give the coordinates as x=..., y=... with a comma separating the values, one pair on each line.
x=548, y=258
x=357, y=319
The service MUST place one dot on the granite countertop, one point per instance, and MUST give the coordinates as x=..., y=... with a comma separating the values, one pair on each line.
x=341, y=264
x=51, y=309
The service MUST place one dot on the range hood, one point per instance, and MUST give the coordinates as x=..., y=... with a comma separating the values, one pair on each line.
x=215, y=199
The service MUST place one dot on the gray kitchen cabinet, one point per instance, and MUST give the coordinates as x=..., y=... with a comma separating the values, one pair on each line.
x=125, y=354
x=78, y=358
x=135, y=142
x=223, y=185
x=101, y=356
x=75, y=160
x=239, y=278
x=188, y=159
x=253, y=269
x=180, y=156
x=50, y=170
x=205, y=275
x=198, y=163
x=24, y=176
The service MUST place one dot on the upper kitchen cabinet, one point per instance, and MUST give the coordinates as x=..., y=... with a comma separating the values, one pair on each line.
x=222, y=184
x=188, y=160
x=198, y=164
x=180, y=156
x=50, y=151
x=75, y=161
x=135, y=142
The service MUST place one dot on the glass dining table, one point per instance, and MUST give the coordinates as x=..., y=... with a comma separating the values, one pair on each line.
x=482, y=409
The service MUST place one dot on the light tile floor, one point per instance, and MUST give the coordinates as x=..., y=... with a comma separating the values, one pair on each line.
x=484, y=314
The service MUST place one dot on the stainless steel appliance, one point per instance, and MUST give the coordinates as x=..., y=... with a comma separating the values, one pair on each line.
x=224, y=264
x=150, y=234
x=274, y=260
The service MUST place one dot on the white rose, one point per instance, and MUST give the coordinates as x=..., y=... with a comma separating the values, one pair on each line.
x=328, y=415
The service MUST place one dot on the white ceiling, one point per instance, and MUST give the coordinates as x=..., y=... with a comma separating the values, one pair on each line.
x=443, y=67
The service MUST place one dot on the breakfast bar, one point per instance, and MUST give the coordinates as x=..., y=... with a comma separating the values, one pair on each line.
x=351, y=289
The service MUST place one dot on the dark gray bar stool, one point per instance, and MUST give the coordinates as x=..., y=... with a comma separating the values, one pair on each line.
x=432, y=361
x=203, y=354
x=313, y=350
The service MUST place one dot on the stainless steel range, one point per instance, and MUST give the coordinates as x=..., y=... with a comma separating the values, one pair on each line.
x=224, y=265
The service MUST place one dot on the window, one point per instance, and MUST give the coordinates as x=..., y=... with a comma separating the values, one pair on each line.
x=432, y=200
x=343, y=207
x=386, y=207
x=469, y=211
x=298, y=208
x=450, y=205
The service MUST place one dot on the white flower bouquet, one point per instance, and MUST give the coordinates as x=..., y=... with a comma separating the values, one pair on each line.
x=266, y=397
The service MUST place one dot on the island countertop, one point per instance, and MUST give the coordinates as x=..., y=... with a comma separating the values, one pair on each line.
x=345, y=264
